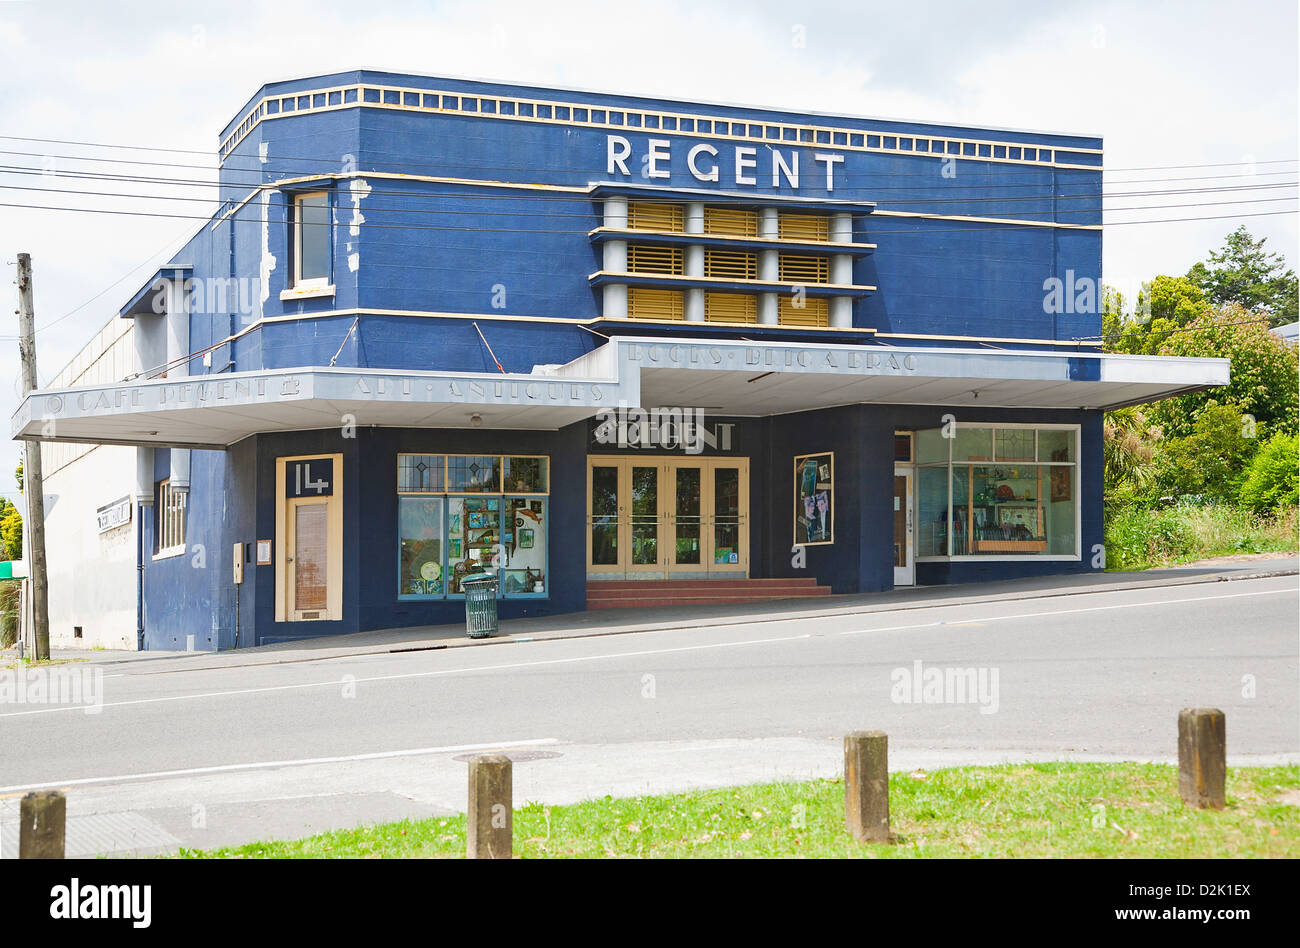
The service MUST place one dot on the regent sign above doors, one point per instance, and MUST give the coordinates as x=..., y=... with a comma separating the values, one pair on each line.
x=735, y=165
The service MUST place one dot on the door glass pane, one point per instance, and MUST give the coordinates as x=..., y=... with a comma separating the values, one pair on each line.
x=687, y=508
x=604, y=516
x=310, y=559
x=645, y=515
x=900, y=521
x=419, y=530
x=726, y=516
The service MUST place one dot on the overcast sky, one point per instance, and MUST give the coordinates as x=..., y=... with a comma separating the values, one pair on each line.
x=1165, y=84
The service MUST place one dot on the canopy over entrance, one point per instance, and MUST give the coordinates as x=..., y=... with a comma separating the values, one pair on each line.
x=723, y=376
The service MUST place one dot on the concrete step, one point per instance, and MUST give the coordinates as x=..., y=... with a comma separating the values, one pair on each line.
x=645, y=603
x=720, y=583
x=638, y=594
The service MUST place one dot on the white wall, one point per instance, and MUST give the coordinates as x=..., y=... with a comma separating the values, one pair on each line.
x=92, y=574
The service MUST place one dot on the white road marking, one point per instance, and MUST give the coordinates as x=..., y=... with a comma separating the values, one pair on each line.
x=1063, y=612
x=425, y=674
x=270, y=764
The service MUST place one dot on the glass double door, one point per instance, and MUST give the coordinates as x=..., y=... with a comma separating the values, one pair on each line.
x=665, y=518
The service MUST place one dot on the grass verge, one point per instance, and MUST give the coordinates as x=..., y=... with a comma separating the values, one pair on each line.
x=1138, y=538
x=1032, y=810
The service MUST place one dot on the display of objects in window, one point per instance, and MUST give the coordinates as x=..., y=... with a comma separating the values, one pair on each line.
x=471, y=526
x=1012, y=492
x=814, y=505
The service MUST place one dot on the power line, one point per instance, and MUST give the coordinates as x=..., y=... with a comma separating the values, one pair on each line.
x=403, y=165
x=950, y=201
x=516, y=230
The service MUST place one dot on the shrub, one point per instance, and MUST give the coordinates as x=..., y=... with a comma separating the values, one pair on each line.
x=8, y=613
x=1273, y=477
x=1136, y=538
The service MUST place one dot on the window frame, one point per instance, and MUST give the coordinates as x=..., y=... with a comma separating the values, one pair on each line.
x=447, y=495
x=950, y=464
x=312, y=283
x=167, y=502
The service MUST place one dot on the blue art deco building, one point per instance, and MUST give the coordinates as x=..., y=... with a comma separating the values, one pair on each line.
x=616, y=350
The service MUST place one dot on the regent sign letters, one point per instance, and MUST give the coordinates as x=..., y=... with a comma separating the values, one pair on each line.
x=743, y=164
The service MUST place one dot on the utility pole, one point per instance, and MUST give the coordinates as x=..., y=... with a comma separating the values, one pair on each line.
x=33, y=482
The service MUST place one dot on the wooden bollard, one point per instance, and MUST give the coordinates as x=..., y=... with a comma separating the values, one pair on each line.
x=489, y=822
x=1202, y=757
x=41, y=832
x=866, y=786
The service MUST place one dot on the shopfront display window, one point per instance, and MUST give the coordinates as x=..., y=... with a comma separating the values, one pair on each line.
x=1004, y=491
x=470, y=526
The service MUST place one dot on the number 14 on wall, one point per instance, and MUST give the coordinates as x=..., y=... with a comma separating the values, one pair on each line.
x=311, y=478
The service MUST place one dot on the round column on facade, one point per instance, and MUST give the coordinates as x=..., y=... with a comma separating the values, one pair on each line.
x=178, y=348
x=841, y=315
x=769, y=266
x=614, y=295
x=694, y=224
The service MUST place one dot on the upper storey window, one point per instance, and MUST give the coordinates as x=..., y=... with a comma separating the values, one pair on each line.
x=651, y=215
x=803, y=227
x=311, y=233
x=733, y=222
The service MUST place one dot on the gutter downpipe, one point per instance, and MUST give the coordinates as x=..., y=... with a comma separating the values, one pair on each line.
x=139, y=578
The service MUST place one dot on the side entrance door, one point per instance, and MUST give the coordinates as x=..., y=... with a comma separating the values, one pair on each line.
x=904, y=545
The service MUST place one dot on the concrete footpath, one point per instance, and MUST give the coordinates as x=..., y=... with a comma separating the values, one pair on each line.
x=620, y=621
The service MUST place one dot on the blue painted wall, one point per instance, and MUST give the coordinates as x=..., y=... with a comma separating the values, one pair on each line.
x=515, y=258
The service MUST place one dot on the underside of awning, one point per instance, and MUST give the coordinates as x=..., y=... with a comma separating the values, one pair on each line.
x=724, y=377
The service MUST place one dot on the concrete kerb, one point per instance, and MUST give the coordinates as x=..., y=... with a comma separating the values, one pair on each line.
x=453, y=636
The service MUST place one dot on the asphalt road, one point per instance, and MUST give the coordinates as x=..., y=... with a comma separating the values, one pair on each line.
x=224, y=755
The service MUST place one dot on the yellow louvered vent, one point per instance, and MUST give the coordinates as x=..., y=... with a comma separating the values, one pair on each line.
x=728, y=220
x=813, y=312
x=644, y=303
x=803, y=227
x=643, y=259
x=651, y=215
x=796, y=268
x=730, y=308
x=730, y=265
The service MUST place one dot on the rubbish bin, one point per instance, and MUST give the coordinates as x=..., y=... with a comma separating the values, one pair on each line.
x=480, y=604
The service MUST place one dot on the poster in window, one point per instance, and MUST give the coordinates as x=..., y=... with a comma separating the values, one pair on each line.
x=1059, y=479
x=814, y=503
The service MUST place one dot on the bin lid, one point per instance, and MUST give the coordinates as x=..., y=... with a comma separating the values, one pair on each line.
x=478, y=578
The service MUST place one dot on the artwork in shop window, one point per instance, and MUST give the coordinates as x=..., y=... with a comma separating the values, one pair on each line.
x=1059, y=482
x=814, y=499
x=525, y=539
x=1059, y=477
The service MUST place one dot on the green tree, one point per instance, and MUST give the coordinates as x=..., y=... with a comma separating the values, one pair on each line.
x=1265, y=381
x=11, y=532
x=1244, y=273
x=11, y=524
x=1210, y=460
x=1129, y=447
x=1273, y=478
x=1163, y=306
